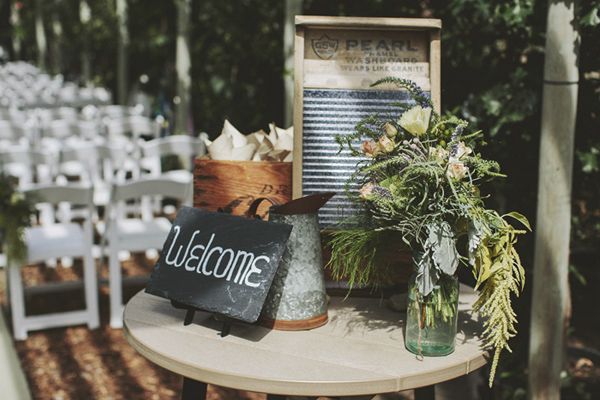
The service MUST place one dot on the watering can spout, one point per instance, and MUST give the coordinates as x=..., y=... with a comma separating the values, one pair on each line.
x=303, y=205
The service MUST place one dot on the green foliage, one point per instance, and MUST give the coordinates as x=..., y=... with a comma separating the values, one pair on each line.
x=15, y=211
x=361, y=256
x=239, y=69
x=421, y=184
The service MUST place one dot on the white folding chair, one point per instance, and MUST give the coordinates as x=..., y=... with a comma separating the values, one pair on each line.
x=96, y=164
x=132, y=126
x=153, y=152
x=136, y=233
x=156, y=154
x=66, y=132
x=16, y=133
x=117, y=111
x=60, y=239
x=28, y=165
x=47, y=115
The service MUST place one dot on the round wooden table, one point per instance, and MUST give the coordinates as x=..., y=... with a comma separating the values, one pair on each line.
x=360, y=351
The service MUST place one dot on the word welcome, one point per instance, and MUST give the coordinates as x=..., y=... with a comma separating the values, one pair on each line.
x=215, y=261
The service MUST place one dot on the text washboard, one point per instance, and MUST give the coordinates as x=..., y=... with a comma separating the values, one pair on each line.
x=336, y=61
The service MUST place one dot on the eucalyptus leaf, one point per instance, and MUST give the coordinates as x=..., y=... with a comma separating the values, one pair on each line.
x=427, y=274
x=441, y=241
x=474, y=236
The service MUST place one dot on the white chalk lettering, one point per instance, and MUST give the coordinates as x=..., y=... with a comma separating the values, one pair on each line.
x=198, y=268
x=193, y=257
x=254, y=270
x=243, y=267
x=204, y=270
x=245, y=256
x=174, y=261
x=220, y=275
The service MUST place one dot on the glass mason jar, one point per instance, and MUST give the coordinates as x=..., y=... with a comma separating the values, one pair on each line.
x=431, y=321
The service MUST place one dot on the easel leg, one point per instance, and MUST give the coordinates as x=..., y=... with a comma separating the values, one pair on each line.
x=193, y=390
x=425, y=393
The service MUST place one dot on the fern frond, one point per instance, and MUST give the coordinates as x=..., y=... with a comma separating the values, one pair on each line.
x=494, y=300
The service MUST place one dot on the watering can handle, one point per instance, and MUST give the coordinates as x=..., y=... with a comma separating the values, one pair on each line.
x=251, y=213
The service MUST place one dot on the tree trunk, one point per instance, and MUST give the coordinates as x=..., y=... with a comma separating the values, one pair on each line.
x=122, y=52
x=292, y=8
x=55, y=46
x=40, y=35
x=183, y=67
x=15, y=8
x=550, y=285
x=85, y=15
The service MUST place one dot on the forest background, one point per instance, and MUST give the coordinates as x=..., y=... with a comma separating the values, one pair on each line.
x=492, y=75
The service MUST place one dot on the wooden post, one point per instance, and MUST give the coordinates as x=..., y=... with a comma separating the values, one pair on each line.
x=550, y=285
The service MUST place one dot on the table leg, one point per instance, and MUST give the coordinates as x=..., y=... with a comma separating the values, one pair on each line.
x=425, y=393
x=193, y=389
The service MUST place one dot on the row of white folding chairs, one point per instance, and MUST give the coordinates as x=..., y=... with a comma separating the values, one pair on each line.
x=91, y=112
x=65, y=237
x=41, y=128
x=99, y=164
x=70, y=95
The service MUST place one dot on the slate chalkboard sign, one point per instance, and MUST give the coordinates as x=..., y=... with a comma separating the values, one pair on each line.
x=219, y=262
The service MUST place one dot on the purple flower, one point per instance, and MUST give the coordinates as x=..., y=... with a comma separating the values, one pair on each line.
x=383, y=192
x=455, y=136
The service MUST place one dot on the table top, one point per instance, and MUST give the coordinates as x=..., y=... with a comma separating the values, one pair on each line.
x=360, y=351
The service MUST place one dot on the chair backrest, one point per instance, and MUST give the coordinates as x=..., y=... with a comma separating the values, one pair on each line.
x=28, y=165
x=134, y=125
x=47, y=115
x=65, y=128
x=99, y=162
x=15, y=132
x=153, y=151
x=173, y=145
x=76, y=194
x=62, y=198
x=147, y=187
x=118, y=111
x=17, y=118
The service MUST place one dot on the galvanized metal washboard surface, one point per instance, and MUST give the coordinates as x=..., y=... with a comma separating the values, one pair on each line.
x=336, y=112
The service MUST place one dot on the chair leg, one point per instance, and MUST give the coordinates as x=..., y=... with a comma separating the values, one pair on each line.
x=17, y=301
x=91, y=289
x=116, y=289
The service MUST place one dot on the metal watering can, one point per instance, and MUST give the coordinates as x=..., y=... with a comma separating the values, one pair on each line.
x=297, y=299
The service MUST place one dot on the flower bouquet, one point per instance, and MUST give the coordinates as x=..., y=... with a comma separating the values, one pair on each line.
x=417, y=188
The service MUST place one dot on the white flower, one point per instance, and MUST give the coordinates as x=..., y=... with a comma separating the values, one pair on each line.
x=386, y=144
x=416, y=120
x=370, y=149
x=437, y=153
x=365, y=191
x=462, y=150
x=390, y=130
x=456, y=168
